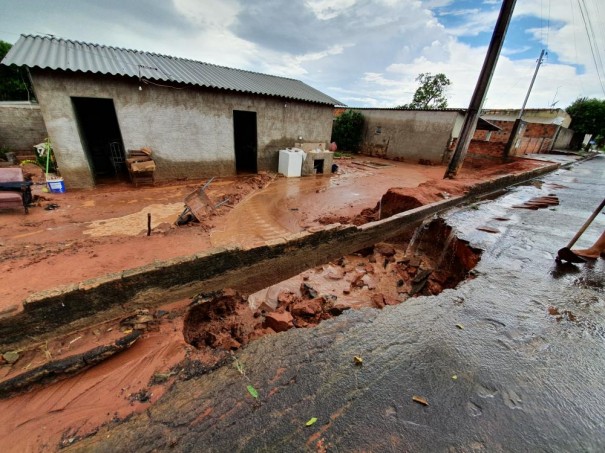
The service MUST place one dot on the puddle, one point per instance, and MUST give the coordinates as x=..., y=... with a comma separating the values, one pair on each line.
x=421, y=262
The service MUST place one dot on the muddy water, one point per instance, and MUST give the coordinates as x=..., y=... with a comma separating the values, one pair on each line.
x=290, y=205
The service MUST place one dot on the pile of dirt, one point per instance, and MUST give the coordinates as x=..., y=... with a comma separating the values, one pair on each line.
x=398, y=199
x=227, y=198
x=244, y=187
x=219, y=320
x=365, y=216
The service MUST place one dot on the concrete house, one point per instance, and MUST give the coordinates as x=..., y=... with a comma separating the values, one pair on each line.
x=198, y=119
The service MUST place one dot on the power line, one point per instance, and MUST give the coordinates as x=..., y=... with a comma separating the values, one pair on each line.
x=548, y=25
x=594, y=50
x=575, y=43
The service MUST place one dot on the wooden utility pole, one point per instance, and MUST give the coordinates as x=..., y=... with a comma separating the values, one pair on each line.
x=489, y=65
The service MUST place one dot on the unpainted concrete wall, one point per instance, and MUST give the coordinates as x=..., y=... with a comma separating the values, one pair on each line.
x=564, y=137
x=408, y=135
x=21, y=126
x=190, y=130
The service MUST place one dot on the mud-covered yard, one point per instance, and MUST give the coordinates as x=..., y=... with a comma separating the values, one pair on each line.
x=95, y=232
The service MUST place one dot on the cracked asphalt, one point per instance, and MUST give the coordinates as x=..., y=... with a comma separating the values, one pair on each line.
x=511, y=360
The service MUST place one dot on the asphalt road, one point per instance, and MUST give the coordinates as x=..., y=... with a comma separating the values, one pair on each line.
x=512, y=360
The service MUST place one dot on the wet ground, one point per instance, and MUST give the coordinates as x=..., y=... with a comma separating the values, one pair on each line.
x=291, y=205
x=93, y=232
x=63, y=412
x=511, y=360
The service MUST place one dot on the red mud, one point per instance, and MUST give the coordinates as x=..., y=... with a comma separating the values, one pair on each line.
x=104, y=230
x=49, y=248
x=60, y=413
x=403, y=198
x=387, y=274
x=96, y=232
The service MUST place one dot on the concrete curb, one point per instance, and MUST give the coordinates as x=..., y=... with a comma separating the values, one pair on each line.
x=66, y=308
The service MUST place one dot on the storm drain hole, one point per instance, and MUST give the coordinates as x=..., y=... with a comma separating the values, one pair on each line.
x=421, y=262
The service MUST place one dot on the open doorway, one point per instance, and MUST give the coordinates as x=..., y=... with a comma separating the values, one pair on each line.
x=244, y=137
x=101, y=137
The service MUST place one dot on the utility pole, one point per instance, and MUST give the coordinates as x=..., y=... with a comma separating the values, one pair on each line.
x=531, y=84
x=489, y=65
x=512, y=139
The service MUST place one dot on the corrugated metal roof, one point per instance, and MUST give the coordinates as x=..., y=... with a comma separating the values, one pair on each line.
x=484, y=125
x=62, y=54
x=448, y=109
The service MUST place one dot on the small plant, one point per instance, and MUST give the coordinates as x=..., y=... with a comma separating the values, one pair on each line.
x=3, y=151
x=347, y=131
x=240, y=369
x=45, y=157
x=30, y=161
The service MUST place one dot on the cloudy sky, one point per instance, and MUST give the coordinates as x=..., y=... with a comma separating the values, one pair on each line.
x=362, y=52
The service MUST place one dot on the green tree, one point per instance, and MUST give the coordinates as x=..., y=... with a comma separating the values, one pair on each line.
x=588, y=117
x=12, y=82
x=431, y=94
x=347, y=131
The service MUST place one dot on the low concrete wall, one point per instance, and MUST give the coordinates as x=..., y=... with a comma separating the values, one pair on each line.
x=563, y=140
x=71, y=307
x=21, y=126
x=408, y=135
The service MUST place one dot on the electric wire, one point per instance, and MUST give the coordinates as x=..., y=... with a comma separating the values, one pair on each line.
x=596, y=57
x=575, y=45
x=548, y=26
x=594, y=39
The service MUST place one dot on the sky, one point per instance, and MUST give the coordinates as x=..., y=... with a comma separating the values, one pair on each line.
x=365, y=53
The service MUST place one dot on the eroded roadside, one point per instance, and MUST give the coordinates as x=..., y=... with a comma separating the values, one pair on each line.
x=189, y=338
x=386, y=275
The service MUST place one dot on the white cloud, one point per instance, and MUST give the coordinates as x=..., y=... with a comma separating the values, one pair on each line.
x=329, y=9
x=478, y=22
x=366, y=52
x=209, y=13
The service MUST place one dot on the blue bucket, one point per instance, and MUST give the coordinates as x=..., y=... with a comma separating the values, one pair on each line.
x=56, y=185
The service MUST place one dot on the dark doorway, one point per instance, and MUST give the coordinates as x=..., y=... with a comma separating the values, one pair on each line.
x=318, y=166
x=101, y=137
x=244, y=137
